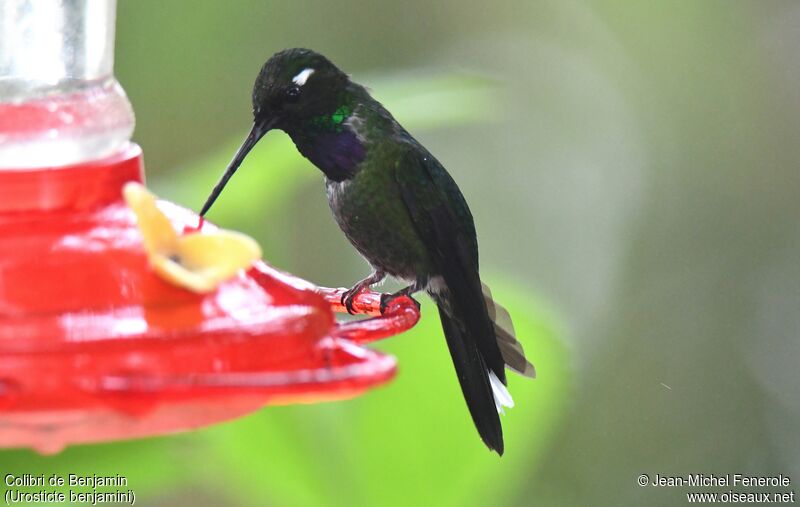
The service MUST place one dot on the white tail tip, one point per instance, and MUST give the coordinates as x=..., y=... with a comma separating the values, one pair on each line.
x=502, y=398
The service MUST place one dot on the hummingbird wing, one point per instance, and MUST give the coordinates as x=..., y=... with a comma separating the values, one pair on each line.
x=442, y=219
x=444, y=223
x=510, y=349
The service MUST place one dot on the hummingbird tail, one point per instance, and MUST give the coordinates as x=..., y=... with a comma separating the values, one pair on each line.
x=484, y=392
x=510, y=348
x=481, y=386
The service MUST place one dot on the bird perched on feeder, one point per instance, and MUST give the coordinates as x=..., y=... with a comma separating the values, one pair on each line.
x=399, y=208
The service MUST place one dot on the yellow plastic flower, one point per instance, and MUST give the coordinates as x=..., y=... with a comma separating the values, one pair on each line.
x=198, y=261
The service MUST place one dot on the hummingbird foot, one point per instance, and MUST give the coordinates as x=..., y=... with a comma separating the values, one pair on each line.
x=350, y=294
x=386, y=299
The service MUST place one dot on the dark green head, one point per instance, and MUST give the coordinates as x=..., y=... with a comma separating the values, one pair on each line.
x=294, y=87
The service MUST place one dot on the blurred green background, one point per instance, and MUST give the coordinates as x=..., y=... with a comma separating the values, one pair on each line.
x=633, y=172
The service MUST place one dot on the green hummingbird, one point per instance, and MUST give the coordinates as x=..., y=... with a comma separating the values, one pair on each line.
x=399, y=208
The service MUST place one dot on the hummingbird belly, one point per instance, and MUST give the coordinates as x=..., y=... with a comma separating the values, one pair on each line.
x=370, y=211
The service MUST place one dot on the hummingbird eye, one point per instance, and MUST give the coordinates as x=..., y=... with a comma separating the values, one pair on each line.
x=292, y=93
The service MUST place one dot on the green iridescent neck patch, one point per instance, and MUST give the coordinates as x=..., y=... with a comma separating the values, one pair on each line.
x=340, y=114
x=334, y=121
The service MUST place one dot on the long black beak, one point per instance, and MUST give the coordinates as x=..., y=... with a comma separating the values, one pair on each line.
x=257, y=132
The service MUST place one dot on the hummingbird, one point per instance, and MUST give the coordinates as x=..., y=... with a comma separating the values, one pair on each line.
x=402, y=211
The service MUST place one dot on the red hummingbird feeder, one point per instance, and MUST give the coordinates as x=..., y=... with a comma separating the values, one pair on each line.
x=95, y=345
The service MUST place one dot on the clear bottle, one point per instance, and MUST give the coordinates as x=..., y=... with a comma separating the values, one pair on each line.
x=59, y=101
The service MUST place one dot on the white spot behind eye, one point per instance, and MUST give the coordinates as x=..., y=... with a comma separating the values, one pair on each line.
x=301, y=78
